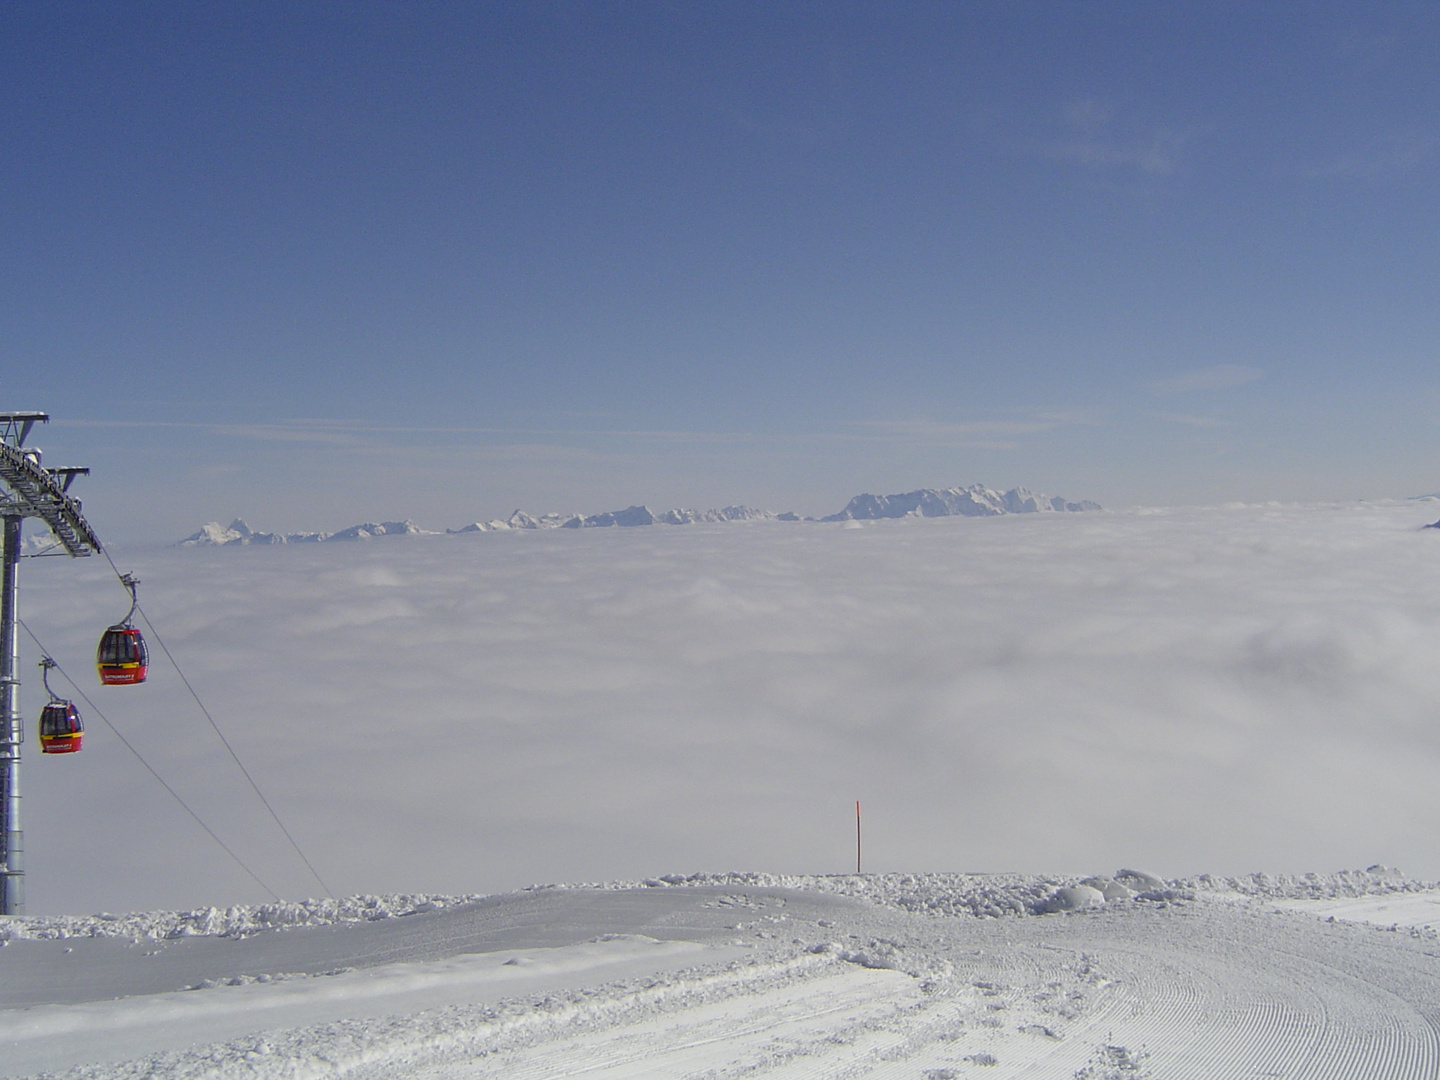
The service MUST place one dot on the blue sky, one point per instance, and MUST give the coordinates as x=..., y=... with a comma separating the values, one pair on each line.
x=317, y=263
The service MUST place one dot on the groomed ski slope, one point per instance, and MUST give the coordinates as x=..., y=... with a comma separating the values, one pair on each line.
x=730, y=977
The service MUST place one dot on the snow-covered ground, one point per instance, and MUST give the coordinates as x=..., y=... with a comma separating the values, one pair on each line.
x=729, y=977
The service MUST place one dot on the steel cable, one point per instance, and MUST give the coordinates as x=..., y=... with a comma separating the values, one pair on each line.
x=231, y=750
x=216, y=727
x=148, y=767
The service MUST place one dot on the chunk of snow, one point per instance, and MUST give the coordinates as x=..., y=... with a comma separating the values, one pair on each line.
x=1075, y=898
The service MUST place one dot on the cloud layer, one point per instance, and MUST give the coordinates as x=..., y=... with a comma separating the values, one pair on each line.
x=1211, y=690
x=1218, y=377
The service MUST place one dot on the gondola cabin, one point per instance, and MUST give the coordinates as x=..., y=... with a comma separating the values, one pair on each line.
x=122, y=656
x=61, y=731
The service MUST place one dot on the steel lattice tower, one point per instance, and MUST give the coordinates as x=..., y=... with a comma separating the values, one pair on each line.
x=29, y=490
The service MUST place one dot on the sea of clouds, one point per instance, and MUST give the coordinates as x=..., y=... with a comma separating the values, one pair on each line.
x=1218, y=690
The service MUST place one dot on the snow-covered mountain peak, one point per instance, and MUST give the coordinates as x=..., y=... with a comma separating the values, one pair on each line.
x=238, y=534
x=629, y=517
x=977, y=500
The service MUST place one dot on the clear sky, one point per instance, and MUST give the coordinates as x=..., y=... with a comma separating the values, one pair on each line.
x=313, y=263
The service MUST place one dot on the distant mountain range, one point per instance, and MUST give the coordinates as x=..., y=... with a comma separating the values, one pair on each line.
x=977, y=500
x=631, y=515
x=237, y=532
x=974, y=501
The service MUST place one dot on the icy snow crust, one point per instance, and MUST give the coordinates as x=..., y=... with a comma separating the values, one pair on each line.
x=978, y=895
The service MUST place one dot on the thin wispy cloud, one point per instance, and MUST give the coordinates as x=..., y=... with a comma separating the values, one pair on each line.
x=351, y=432
x=316, y=431
x=931, y=428
x=358, y=434
x=284, y=433
x=987, y=433
x=1095, y=139
x=1217, y=377
x=1395, y=153
x=1192, y=421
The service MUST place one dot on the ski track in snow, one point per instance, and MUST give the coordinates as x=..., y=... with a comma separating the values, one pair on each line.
x=720, y=981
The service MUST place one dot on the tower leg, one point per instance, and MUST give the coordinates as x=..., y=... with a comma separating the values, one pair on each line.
x=12, y=848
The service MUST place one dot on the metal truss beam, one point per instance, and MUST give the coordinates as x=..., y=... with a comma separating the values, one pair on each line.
x=41, y=493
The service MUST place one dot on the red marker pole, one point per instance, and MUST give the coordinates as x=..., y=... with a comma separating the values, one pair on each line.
x=857, y=836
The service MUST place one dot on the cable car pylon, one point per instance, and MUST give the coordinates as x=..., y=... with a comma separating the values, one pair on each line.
x=29, y=491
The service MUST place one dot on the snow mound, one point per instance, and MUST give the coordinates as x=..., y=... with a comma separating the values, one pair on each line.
x=1138, y=880
x=1372, y=881
x=1109, y=888
x=1002, y=895
x=1076, y=898
x=975, y=895
x=231, y=922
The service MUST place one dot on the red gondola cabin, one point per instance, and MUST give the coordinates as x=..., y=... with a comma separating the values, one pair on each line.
x=61, y=731
x=122, y=656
